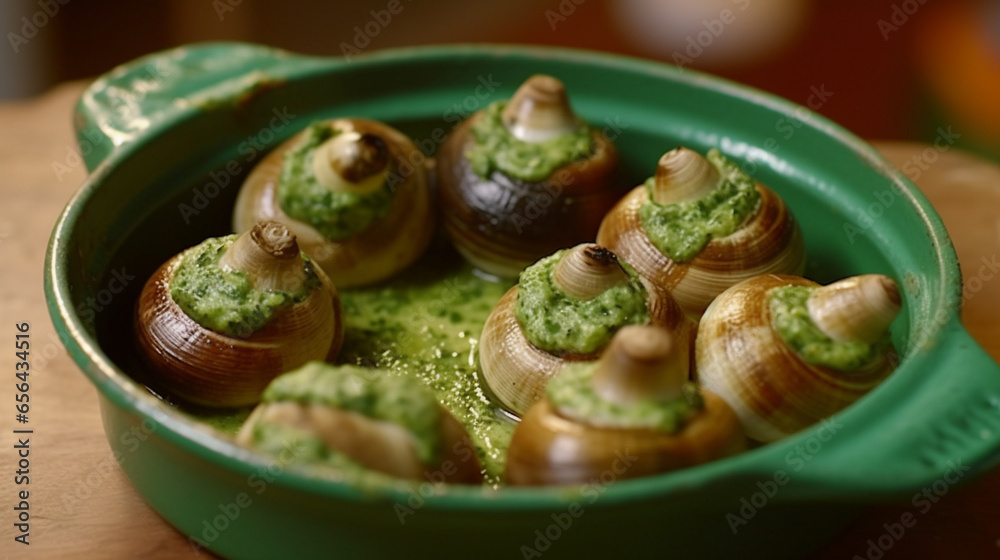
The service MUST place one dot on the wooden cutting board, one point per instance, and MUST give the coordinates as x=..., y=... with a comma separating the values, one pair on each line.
x=82, y=506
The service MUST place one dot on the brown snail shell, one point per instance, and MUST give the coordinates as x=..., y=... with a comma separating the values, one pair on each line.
x=775, y=392
x=502, y=224
x=516, y=371
x=549, y=447
x=214, y=369
x=378, y=445
x=769, y=242
x=386, y=246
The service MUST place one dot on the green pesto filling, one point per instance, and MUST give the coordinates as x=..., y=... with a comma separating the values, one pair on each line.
x=375, y=394
x=573, y=395
x=790, y=319
x=560, y=324
x=496, y=149
x=293, y=446
x=336, y=215
x=226, y=301
x=680, y=231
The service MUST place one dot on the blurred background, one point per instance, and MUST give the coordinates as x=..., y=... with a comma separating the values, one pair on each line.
x=885, y=69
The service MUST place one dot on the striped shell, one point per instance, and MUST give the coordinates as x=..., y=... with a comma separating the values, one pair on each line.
x=552, y=447
x=769, y=242
x=385, y=247
x=741, y=358
x=549, y=449
x=516, y=371
x=214, y=369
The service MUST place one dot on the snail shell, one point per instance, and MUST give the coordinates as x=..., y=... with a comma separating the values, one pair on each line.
x=550, y=447
x=378, y=445
x=516, y=371
x=768, y=242
x=387, y=245
x=209, y=368
x=502, y=224
x=774, y=391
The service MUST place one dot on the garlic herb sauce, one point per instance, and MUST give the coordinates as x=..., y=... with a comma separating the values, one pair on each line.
x=790, y=319
x=226, y=301
x=680, y=231
x=557, y=323
x=425, y=324
x=402, y=401
x=336, y=215
x=572, y=392
x=496, y=149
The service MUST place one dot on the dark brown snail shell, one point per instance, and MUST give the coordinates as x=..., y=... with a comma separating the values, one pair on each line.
x=502, y=224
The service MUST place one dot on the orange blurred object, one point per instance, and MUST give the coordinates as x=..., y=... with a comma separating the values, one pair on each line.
x=960, y=64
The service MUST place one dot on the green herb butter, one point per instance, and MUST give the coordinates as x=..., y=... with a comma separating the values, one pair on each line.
x=790, y=319
x=680, y=231
x=336, y=215
x=572, y=393
x=496, y=149
x=372, y=393
x=280, y=440
x=226, y=301
x=557, y=323
x=423, y=324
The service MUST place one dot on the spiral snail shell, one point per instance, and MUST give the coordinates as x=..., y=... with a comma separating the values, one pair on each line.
x=640, y=416
x=345, y=416
x=517, y=369
x=503, y=216
x=350, y=161
x=228, y=369
x=779, y=384
x=767, y=241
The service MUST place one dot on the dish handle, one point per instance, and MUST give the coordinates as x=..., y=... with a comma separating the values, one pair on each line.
x=137, y=98
x=947, y=431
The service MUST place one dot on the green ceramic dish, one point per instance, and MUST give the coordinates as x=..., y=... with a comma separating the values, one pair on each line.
x=160, y=132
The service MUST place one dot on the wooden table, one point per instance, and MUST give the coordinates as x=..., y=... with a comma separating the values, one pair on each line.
x=82, y=506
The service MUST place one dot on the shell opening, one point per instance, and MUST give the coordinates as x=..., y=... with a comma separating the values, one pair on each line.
x=683, y=175
x=352, y=162
x=641, y=364
x=588, y=270
x=859, y=308
x=269, y=254
x=540, y=110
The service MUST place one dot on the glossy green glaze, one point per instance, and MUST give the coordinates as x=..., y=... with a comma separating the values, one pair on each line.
x=171, y=137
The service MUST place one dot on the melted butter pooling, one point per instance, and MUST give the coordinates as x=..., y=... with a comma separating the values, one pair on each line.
x=425, y=323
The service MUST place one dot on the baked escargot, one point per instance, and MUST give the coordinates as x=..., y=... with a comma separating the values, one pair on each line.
x=785, y=352
x=354, y=191
x=632, y=412
x=567, y=307
x=523, y=178
x=349, y=417
x=701, y=225
x=217, y=322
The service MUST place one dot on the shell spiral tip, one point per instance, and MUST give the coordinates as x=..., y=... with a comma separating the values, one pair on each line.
x=859, y=308
x=683, y=175
x=641, y=363
x=539, y=110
